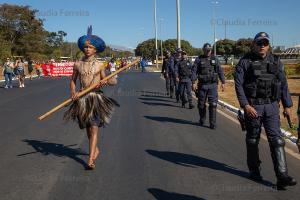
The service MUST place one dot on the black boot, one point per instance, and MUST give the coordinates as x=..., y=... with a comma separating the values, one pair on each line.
x=255, y=175
x=212, y=115
x=253, y=160
x=191, y=106
x=171, y=92
x=183, y=104
x=285, y=181
x=279, y=162
x=202, y=113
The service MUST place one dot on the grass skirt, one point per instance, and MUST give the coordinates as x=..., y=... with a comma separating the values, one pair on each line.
x=93, y=109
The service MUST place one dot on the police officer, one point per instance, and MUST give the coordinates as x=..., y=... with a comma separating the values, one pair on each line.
x=184, y=71
x=260, y=84
x=177, y=59
x=170, y=71
x=208, y=70
x=164, y=70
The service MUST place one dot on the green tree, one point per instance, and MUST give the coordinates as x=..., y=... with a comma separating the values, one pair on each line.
x=147, y=48
x=225, y=47
x=23, y=31
x=171, y=45
x=243, y=46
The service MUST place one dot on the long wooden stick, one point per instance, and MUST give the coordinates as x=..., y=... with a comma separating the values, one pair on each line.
x=87, y=90
x=298, y=113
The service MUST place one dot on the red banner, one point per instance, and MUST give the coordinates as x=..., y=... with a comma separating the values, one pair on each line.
x=58, y=69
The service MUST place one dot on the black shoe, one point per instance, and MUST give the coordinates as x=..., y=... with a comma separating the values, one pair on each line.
x=177, y=100
x=255, y=176
x=183, y=105
x=191, y=106
x=285, y=181
x=212, y=126
x=201, y=123
x=171, y=96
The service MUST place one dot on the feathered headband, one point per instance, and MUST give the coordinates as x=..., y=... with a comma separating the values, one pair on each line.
x=94, y=40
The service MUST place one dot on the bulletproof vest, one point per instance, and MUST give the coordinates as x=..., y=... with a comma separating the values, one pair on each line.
x=208, y=72
x=262, y=81
x=185, y=69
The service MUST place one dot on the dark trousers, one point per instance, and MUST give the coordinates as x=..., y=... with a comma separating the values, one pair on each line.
x=269, y=118
x=185, y=91
x=173, y=86
x=208, y=93
x=167, y=79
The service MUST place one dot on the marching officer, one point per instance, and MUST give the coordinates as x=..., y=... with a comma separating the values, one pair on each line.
x=164, y=70
x=208, y=70
x=184, y=78
x=177, y=59
x=260, y=84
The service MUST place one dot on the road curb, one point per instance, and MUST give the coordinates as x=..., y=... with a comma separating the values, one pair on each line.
x=26, y=77
x=235, y=110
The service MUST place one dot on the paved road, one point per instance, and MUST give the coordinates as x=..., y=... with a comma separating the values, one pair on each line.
x=152, y=149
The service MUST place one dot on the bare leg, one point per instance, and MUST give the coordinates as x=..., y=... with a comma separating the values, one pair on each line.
x=19, y=79
x=92, y=133
x=97, y=151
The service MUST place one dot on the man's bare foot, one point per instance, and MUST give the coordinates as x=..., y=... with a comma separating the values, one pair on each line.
x=90, y=164
x=96, y=154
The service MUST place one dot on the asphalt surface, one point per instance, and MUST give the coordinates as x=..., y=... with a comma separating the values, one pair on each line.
x=152, y=149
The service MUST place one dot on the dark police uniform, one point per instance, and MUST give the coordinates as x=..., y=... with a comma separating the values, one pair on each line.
x=208, y=71
x=177, y=59
x=170, y=70
x=164, y=71
x=261, y=83
x=184, y=72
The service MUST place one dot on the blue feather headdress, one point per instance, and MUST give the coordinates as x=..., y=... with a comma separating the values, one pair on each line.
x=94, y=40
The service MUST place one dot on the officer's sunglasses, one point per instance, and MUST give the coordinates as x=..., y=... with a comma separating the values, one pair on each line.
x=262, y=43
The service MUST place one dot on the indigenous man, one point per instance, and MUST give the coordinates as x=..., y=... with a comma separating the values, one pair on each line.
x=94, y=109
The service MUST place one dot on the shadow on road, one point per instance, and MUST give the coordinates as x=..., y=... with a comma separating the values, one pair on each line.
x=169, y=119
x=153, y=92
x=157, y=96
x=154, y=99
x=164, y=195
x=294, y=94
x=60, y=150
x=158, y=104
x=188, y=160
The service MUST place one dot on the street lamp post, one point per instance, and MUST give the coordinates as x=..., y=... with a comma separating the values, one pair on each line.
x=155, y=25
x=214, y=24
x=161, y=40
x=178, y=23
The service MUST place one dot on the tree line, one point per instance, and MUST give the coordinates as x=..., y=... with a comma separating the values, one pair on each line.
x=224, y=48
x=22, y=33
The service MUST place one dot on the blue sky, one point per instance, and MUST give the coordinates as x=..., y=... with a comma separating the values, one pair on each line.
x=127, y=22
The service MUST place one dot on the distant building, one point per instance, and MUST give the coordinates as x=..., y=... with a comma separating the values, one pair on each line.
x=280, y=48
x=290, y=53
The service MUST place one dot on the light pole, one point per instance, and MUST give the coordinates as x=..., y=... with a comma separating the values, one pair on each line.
x=161, y=40
x=178, y=23
x=155, y=25
x=214, y=24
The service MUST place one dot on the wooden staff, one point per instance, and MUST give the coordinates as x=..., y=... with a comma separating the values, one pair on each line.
x=298, y=113
x=87, y=90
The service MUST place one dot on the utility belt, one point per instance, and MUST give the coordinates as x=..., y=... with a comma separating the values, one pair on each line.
x=208, y=79
x=260, y=101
